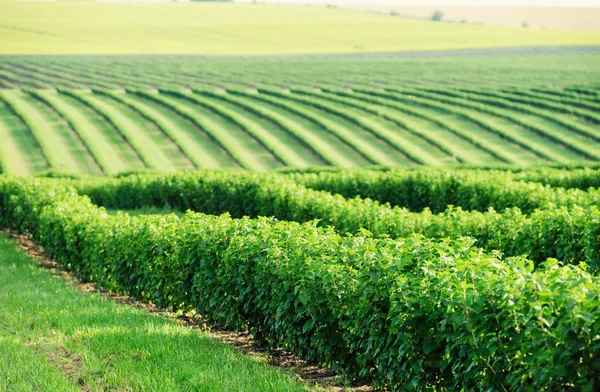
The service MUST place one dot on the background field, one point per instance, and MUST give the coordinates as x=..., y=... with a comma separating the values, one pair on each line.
x=194, y=28
x=562, y=18
x=103, y=115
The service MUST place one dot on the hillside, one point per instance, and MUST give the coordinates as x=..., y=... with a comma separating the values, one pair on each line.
x=249, y=29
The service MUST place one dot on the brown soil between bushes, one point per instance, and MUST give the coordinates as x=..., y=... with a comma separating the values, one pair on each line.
x=243, y=341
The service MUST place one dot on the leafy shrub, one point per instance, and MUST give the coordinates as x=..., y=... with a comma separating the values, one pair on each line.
x=437, y=15
x=408, y=313
x=542, y=234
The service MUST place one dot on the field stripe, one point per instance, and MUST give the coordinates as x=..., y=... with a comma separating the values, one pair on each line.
x=110, y=80
x=250, y=130
x=371, y=138
x=540, y=103
x=564, y=93
x=327, y=146
x=558, y=99
x=319, y=146
x=518, y=131
x=46, y=79
x=494, y=147
x=150, y=154
x=15, y=157
x=284, y=152
x=87, y=159
x=252, y=145
x=515, y=128
x=208, y=152
x=29, y=157
x=127, y=153
x=491, y=99
x=354, y=145
x=236, y=148
x=170, y=134
x=437, y=135
x=62, y=75
x=566, y=139
x=99, y=146
x=53, y=140
x=283, y=137
x=17, y=81
x=161, y=143
x=395, y=137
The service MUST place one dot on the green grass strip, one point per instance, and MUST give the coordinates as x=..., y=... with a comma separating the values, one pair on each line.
x=356, y=149
x=319, y=145
x=361, y=144
x=236, y=148
x=105, y=156
x=524, y=106
x=54, y=337
x=280, y=150
x=373, y=96
x=396, y=139
x=149, y=152
x=170, y=130
x=53, y=146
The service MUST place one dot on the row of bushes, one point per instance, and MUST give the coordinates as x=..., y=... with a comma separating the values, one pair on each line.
x=570, y=235
x=410, y=314
x=436, y=189
x=584, y=178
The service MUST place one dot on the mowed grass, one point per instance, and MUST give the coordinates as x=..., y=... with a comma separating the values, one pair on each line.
x=80, y=27
x=54, y=337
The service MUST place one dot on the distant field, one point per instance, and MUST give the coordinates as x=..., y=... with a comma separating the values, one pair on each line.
x=534, y=17
x=194, y=28
x=173, y=114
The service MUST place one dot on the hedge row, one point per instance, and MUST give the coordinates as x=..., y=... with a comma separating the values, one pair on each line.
x=580, y=178
x=540, y=235
x=410, y=314
x=436, y=189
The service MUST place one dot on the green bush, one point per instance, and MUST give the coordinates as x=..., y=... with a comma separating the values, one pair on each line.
x=542, y=234
x=409, y=313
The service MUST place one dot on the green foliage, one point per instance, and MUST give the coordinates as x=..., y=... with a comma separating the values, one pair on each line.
x=437, y=15
x=436, y=189
x=545, y=227
x=411, y=313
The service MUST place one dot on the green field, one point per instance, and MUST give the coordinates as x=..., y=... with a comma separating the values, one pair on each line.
x=499, y=288
x=79, y=115
x=412, y=205
x=194, y=28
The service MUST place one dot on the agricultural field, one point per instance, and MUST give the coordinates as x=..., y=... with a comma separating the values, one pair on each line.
x=196, y=28
x=398, y=204
x=493, y=285
x=562, y=18
x=79, y=115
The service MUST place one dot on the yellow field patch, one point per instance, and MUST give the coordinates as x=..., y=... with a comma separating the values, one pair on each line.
x=212, y=29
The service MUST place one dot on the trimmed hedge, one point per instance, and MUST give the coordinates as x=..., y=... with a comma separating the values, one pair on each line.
x=409, y=313
x=540, y=235
x=436, y=189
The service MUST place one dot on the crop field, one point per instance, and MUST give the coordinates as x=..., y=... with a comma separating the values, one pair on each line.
x=392, y=204
x=124, y=28
x=563, y=18
x=79, y=115
x=493, y=286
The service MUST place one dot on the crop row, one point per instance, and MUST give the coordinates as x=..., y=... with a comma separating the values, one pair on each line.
x=544, y=233
x=529, y=70
x=108, y=131
x=407, y=314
